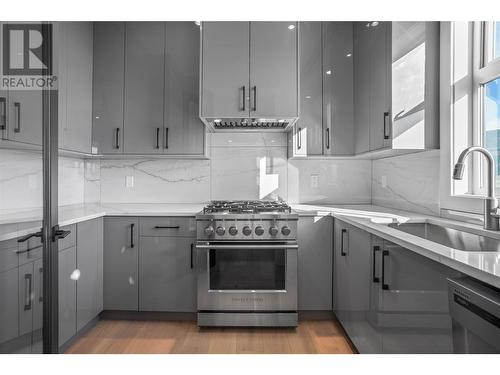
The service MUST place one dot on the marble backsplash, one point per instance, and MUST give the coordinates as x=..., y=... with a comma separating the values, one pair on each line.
x=407, y=182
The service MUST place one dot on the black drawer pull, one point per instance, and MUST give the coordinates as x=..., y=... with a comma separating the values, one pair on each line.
x=342, y=252
x=192, y=246
x=117, y=138
x=132, y=235
x=376, y=279
x=166, y=227
x=384, y=285
x=386, y=133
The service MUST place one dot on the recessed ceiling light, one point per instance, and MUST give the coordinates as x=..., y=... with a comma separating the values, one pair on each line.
x=374, y=23
x=349, y=54
x=291, y=27
x=328, y=72
x=197, y=23
x=308, y=96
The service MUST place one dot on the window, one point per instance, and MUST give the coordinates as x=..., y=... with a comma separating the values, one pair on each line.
x=491, y=121
x=491, y=41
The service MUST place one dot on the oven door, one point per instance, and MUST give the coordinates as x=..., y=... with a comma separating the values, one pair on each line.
x=247, y=276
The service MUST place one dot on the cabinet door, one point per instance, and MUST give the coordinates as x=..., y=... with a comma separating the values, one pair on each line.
x=362, y=64
x=67, y=294
x=273, y=69
x=4, y=95
x=225, y=67
x=77, y=132
x=108, y=86
x=380, y=63
x=338, y=88
x=121, y=263
x=167, y=274
x=9, y=317
x=315, y=263
x=341, y=271
x=144, y=84
x=414, y=312
x=186, y=132
x=25, y=116
x=26, y=297
x=309, y=128
x=37, y=336
x=89, y=262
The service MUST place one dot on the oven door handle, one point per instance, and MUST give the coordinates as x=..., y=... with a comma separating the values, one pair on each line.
x=249, y=247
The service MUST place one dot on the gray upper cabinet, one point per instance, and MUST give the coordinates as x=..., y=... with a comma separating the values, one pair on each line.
x=108, y=83
x=225, y=67
x=167, y=274
x=338, y=88
x=121, y=263
x=315, y=263
x=184, y=131
x=90, y=264
x=144, y=84
x=362, y=63
x=77, y=129
x=273, y=69
x=25, y=116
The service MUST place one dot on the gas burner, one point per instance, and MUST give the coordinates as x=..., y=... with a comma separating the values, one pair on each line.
x=246, y=207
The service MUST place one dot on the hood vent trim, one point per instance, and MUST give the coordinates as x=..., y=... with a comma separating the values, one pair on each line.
x=249, y=125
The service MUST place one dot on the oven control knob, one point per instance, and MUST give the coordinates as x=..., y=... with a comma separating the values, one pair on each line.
x=285, y=231
x=273, y=231
x=220, y=231
x=209, y=230
x=233, y=231
x=259, y=231
x=247, y=231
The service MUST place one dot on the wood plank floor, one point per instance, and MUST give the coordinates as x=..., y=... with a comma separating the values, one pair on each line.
x=183, y=337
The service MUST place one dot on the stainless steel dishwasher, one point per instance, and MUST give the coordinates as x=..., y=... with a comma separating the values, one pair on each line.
x=475, y=313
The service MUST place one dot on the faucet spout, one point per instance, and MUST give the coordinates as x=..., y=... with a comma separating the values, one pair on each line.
x=491, y=218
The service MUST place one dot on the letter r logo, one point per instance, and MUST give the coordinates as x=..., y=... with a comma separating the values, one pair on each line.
x=27, y=49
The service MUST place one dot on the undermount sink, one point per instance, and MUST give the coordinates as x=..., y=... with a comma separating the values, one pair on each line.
x=457, y=239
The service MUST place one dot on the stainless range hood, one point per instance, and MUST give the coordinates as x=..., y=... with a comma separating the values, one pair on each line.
x=248, y=124
x=249, y=76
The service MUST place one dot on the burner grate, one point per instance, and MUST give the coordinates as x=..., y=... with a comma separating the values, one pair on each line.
x=246, y=207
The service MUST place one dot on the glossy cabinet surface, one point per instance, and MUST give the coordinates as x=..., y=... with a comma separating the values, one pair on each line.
x=144, y=84
x=108, y=85
x=225, y=69
x=315, y=263
x=121, y=263
x=67, y=294
x=24, y=115
x=167, y=274
x=9, y=309
x=90, y=266
x=273, y=69
x=183, y=132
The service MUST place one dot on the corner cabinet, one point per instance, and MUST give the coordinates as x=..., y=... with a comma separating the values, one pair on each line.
x=146, y=89
x=249, y=69
x=396, y=66
x=325, y=126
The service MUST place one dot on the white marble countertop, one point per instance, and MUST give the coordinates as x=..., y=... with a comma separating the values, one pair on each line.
x=484, y=266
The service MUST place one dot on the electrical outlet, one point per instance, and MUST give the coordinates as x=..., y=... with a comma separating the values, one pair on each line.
x=314, y=181
x=129, y=181
x=383, y=181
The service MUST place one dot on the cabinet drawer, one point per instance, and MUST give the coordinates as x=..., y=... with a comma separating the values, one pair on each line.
x=8, y=255
x=168, y=226
x=70, y=239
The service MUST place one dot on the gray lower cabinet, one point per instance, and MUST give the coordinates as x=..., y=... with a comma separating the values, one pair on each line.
x=67, y=294
x=121, y=263
x=89, y=262
x=315, y=263
x=9, y=309
x=167, y=280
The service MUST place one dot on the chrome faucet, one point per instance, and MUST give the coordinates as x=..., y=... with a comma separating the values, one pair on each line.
x=491, y=217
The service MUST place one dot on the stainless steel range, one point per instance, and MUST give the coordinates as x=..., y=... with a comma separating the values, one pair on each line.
x=247, y=264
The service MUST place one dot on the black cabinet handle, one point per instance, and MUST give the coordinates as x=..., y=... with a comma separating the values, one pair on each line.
x=166, y=137
x=40, y=291
x=132, y=235
x=342, y=252
x=28, y=288
x=166, y=227
x=243, y=106
x=386, y=117
x=157, y=138
x=327, y=138
x=17, y=107
x=376, y=279
x=254, y=98
x=3, y=114
x=31, y=235
x=117, y=138
x=58, y=234
x=299, y=139
x=384, y=285
x=192, y=246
